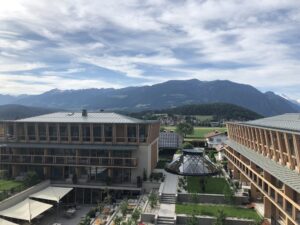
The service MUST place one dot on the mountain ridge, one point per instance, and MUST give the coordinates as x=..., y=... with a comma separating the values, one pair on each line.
x=169, y=94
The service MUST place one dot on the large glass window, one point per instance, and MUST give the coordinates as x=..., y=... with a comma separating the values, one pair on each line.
x=131, y=132
x=63, y=129
x=108, y=133
x=143, y=133
x=97, y=131
x=86, y=134
x=42, y=132
x=75, y=132
x=31, y=131
x=53, y=132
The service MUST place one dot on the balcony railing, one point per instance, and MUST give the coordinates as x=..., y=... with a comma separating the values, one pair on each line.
x=73, y=139
x=68, y=160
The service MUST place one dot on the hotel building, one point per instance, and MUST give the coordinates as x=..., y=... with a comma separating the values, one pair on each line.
x=95, y=147
x=265, y=154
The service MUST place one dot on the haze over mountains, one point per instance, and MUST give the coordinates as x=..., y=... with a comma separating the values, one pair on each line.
x=164, y=95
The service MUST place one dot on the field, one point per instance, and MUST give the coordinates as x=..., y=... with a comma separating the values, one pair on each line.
x=9, y=184
x=212, y=210
x=199, y=132
x=214, y=185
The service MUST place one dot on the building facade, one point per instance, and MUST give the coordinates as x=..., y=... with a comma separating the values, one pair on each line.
x=93, y=147
x=170, y=140
x=265, y=154
x=215, y=139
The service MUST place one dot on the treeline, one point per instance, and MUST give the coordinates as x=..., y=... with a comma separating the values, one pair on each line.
x=219, y=111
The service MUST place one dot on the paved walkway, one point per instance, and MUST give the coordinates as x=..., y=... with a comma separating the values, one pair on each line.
x=167, y=210
x=170, y=186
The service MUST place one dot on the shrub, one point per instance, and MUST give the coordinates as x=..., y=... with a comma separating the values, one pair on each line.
x=153, y=199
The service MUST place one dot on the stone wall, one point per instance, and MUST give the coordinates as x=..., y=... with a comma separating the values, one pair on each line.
x=148, y=186
x=209, y=198
x=207, y=220
x=148, y=217
x=13, y=200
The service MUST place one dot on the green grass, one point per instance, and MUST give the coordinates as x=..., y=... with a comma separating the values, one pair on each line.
x=199, y=132
x=212, y=210
x=203, y=118
x=9, y=184
x=214, y=185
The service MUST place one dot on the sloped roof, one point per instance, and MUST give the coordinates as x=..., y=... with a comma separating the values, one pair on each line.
x=92, y=117
x=26, y=210
x=288, y=121
x=6, y=222
x=52, y=193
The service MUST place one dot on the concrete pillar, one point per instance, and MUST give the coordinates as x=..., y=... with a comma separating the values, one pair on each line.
x=254, y=192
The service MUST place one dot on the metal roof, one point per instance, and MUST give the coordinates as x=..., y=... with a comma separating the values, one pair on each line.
x=92, y=117
x=282, y=173
x=288, y=121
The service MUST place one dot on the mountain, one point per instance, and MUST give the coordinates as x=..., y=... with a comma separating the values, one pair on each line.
x=11, y=112
x=219, y=111
x=164, y=95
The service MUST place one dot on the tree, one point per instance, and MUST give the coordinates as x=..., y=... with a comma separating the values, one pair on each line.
x=228, y=195
x=31, y=178
x=220, y=220
x=187, y=145
x=118, y=220
x=153, y=199
x=124, y=207
x=136, y=215
x=184, y=129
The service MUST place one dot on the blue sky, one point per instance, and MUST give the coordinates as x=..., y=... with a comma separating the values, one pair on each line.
x=75, y=44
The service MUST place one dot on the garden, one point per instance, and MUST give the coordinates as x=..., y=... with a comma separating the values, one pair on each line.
x=212, y=210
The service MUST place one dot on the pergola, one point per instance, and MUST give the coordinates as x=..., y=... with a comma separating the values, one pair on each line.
x=52, y=193
x=193, y=162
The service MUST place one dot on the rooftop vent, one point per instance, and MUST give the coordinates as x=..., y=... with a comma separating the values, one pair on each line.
x=84, y=113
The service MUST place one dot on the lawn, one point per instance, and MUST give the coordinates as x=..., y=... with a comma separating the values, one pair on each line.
x=214, y=185
x=212, y=210
x=199, y=132
x=9, y=184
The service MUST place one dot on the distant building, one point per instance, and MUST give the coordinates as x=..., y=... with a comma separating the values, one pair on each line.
x=169, y=140
x=216, y=138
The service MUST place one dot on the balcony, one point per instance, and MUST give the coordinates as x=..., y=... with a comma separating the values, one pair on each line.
x=106, y=162
x=73, y=139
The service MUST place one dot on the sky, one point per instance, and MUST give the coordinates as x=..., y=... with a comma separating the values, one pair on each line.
x=78, y=44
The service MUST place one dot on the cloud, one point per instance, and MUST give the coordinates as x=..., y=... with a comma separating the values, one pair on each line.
x=104, y=43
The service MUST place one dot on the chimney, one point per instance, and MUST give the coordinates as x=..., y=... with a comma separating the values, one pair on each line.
x=84, y=113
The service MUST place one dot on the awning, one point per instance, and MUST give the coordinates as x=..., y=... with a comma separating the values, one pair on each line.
x=5, y=222
x=52, y=193
x=26, y=210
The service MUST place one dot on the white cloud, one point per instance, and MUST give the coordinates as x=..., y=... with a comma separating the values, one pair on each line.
x=253, y=42
x=15, y=84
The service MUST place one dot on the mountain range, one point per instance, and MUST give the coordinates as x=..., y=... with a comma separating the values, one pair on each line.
x=164, y=95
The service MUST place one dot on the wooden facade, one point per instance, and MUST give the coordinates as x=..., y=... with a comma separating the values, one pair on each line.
x=281, y=202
